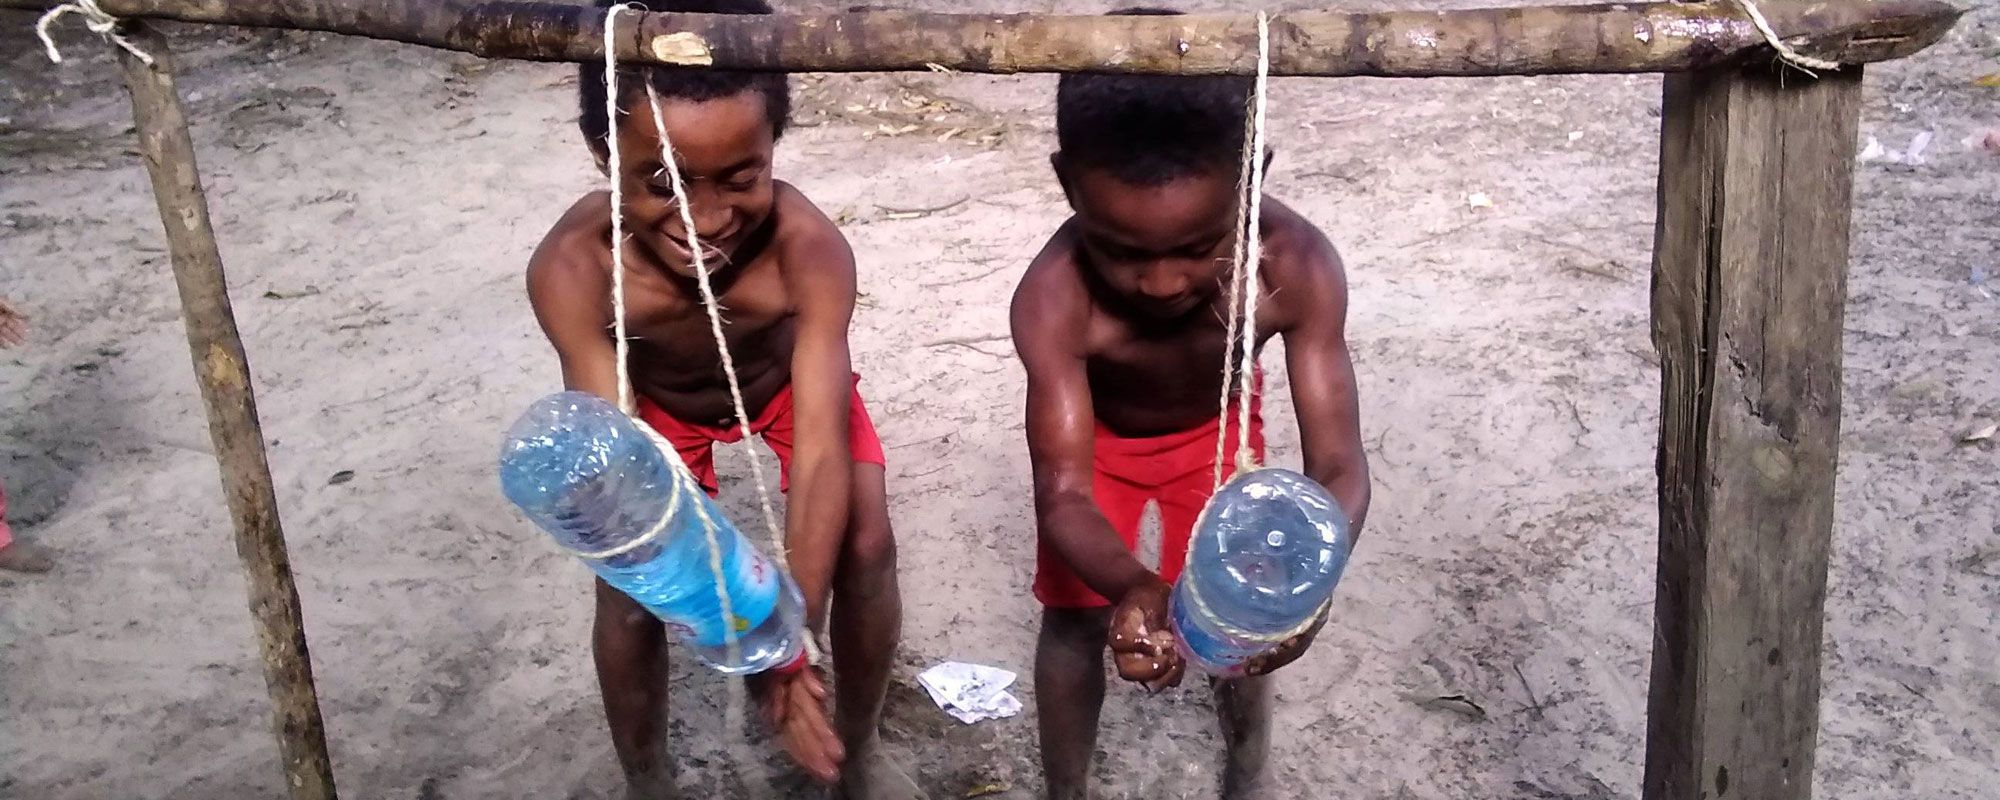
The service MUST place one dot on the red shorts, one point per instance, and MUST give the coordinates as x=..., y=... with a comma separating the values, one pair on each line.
x=6, y=533
x=1177, y=470
x=696, y=442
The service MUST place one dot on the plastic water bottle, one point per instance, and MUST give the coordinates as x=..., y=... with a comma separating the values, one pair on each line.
x=1262, y=563
x=587, y=474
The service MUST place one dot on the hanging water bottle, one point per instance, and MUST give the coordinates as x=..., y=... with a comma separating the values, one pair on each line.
x=1261, y=567
x=590, y=477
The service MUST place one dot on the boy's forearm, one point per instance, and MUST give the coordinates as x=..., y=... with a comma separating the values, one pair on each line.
x=1093, y=549
x=815, y=522
x=1347, y=480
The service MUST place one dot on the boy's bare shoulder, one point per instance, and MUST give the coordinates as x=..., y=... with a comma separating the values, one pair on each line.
x=1294, y=246
x=572, y=254
x=806, y=235
x=1051, y=297
x=575, y=238
x=1299, y=260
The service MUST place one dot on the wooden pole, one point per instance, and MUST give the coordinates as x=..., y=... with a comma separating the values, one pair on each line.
x=1529, y=40
x=223, y=371
x=1749, y=286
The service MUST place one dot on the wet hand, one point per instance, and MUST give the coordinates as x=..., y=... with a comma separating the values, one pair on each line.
x=1142, y=640
x=1286, y=652
x=794, y=705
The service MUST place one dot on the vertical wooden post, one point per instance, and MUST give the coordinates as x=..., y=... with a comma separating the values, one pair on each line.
x=1749, y=285
x=223, y=371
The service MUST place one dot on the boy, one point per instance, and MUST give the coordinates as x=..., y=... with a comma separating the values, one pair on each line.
x=786, y=278
x=1119, y=322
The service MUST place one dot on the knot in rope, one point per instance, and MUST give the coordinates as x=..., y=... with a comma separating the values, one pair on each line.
x=96, y=19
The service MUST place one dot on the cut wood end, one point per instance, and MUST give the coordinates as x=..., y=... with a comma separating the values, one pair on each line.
x=222, y=369
x=684, y=48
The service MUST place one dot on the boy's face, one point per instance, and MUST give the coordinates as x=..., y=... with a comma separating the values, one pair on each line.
x=724, y=148
x=1162, y=249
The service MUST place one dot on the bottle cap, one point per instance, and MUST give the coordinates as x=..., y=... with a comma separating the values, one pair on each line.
x=792, y=667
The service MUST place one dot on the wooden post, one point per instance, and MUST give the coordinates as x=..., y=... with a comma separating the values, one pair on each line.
x=224, y=374
x=1749, y=284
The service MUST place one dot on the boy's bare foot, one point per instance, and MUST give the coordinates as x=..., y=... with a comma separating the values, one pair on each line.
x=655, y=785
x=26, y=557
x=870, y=775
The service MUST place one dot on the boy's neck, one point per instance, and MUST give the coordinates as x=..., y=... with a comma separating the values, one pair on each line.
x=1101, y=295
x=722, y=272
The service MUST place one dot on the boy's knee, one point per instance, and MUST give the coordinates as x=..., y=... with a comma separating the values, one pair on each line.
x=619, y=616
x=1076, y=625
x=869, y=554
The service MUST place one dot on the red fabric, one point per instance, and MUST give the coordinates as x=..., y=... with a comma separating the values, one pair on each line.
x=696, y=442
x=6, y=533
x=1177, y=470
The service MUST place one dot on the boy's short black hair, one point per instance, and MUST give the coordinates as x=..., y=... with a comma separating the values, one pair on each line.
x=1149, y=129
x=678, y=83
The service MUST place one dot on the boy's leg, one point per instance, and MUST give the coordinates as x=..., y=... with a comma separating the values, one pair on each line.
x=629, y=645
x=1243, y=706
x=1069, y=653
x=865, y=621
x=1069, y=692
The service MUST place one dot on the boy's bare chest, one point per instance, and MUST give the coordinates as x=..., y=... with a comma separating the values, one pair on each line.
x=674, y=338
x=1145, y=382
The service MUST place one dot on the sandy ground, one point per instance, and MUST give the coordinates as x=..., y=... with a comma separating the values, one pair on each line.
x=377, y=203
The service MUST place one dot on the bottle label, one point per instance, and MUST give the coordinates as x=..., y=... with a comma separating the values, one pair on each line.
x=1202, y=639
x=1194, y=640
x=753, y=595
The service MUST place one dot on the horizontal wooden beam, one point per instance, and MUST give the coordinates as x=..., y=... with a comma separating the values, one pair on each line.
x=1534, y=40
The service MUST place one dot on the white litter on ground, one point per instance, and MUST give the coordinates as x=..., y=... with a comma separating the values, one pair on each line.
x=971, y=692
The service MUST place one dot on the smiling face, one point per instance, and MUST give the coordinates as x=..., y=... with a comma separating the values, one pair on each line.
x=724, y=148
x=1161, y=249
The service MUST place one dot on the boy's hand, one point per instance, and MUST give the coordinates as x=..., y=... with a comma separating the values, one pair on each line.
x=13, y=326
x=1287, y=651
x=1142, y=641
x=795, y=706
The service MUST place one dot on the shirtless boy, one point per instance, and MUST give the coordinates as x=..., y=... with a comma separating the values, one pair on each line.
x=787, y=279
x=1120, y=324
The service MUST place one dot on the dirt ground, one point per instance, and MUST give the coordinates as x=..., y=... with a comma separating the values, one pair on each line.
x=376, y=205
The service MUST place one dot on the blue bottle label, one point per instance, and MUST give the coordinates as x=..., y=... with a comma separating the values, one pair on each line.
x=753, y=595
x=1213, y=650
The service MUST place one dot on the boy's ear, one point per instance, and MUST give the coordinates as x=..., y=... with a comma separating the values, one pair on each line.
x=603, y=160
x=1061, y=166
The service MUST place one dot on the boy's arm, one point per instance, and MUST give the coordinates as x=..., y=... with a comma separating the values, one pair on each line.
x=1324, y=395
x=1050, y=320
x=570, y=297
x=822, y=277
x=1322, y=375
x=1049, y=324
